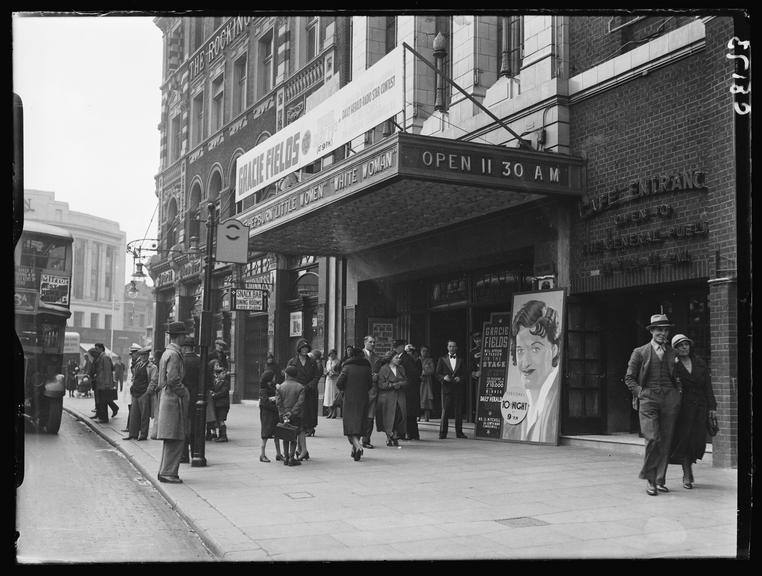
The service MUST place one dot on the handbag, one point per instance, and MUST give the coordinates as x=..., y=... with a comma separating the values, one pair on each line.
x=711, y=425
x=285, y=431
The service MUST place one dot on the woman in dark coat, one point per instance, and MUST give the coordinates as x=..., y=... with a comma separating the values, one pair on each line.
x=696, y=405
x=391, y=407
x=354, y=381
x=268, y=412
x=307, y=375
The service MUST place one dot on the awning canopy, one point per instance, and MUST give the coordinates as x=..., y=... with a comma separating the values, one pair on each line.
x=406, y=186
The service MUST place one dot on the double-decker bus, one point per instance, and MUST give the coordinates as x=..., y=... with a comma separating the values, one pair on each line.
x=43, y=259
x=43, y=264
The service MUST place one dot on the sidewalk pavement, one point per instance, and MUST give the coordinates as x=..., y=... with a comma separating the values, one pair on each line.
x=433, y=499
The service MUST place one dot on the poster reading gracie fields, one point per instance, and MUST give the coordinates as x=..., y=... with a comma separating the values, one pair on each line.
x=530, y=404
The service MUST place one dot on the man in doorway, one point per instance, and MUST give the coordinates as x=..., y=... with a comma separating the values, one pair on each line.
x=413, y=389
x=369, y=344
x=451, y=374
x=171, y=419
x=651, y=379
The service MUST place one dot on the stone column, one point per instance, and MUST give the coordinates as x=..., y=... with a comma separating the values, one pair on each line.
x=723, y=322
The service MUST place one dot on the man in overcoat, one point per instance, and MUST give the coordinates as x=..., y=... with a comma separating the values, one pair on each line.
x=104, y=385
x=173, y=400
x=192, y=367
x=369, y=345
x=651, y=379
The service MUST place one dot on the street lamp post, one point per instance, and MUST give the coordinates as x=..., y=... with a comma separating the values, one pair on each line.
x=198, y=449
x=113, y=316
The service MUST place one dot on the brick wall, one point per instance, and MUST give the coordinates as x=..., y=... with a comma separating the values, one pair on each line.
x=675, y=118
x=723, y=303
x=590, y=42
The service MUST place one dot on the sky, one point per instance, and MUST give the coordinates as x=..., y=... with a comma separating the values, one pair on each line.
x=92, y=103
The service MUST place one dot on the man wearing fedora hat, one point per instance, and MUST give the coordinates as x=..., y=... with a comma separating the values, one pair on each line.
x=171, y=421
x=651, y=379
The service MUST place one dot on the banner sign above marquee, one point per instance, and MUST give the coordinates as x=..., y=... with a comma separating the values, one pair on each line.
x=376, y=95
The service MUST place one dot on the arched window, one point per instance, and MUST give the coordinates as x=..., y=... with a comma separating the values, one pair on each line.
x=170, y=232
x=194, y=200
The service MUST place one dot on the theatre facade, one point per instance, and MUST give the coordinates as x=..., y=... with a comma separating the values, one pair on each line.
x=382, y=199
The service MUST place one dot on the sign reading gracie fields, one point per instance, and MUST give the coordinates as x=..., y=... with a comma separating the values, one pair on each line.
x=376, y=95
x=492, y=166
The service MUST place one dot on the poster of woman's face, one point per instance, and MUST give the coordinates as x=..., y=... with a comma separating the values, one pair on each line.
x=530, y=406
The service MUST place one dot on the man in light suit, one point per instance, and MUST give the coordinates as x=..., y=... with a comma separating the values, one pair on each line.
x=369, y=345
x=451, y=374
x=651, y=379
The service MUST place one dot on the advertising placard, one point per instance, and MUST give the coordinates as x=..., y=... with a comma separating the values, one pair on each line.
x=374, y=96
x=531, y=402
x=492, y=372
x=253, y=300
x=54, y=289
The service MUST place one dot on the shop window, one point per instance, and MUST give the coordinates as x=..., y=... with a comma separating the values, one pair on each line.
x=448, y=291
x=217, y=116
x=497, y=285
x=239, y=84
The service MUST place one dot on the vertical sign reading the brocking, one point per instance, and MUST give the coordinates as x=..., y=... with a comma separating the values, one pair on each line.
x=496, y=336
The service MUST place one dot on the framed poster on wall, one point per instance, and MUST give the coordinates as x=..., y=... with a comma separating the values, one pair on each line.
x=528, y=388
x=382, y=330
x=295, y=327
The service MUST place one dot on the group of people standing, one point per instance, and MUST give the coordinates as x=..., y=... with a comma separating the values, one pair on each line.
x=672, y=391
x=160, y=398
x=389, y=391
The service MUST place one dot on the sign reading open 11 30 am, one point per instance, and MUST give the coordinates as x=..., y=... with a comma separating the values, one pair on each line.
x=520, y=381
x=374, y=96
x=232, y=242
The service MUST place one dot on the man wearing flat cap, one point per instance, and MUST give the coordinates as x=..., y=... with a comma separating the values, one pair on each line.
x=651, y=379
x=171, y=420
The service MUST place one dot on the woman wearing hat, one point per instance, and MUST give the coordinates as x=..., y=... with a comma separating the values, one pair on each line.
x=308, y=375
x=697, y=404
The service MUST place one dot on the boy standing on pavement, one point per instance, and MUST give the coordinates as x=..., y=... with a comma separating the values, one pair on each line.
x=289, y=399
x=651, y=379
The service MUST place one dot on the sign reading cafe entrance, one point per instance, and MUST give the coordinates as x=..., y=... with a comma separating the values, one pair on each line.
x=376, y=95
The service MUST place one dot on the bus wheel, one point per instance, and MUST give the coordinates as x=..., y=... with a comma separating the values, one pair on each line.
x=55, y=409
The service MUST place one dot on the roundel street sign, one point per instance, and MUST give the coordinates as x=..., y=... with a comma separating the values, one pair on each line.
x=232, y=242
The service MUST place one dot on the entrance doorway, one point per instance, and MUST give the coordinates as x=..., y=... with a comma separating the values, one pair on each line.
x=255, y=355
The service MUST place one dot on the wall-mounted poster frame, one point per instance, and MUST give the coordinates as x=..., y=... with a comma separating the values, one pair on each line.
x=531, y=349
x=295, y=327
